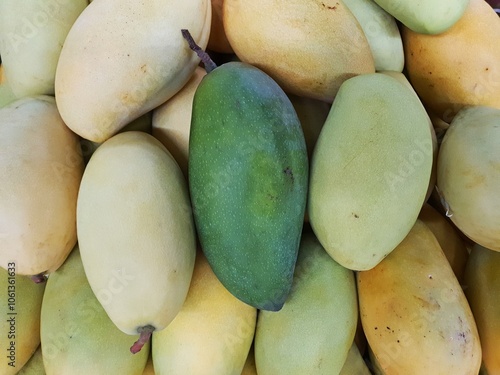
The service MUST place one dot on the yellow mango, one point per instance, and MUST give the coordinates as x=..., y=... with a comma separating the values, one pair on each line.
x=482, y=287
x=414, y=312
x=308, y=47
x=458, y=67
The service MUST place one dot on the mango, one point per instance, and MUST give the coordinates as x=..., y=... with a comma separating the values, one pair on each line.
x=212, y=333
x=354, y=364
x=248, y=178
x=136, y=232
x=20, y=303
x=426, y=16
x=468, y=174
x=313, y=332
x=109, y=74
x=448, y=237
x=171, y=122
x=77, y=335
x=32, y=34
x=482, y=285
x=382, y=33
x=370, y=170
x=41, y=169
x=308, y=47
x=414, y=312
x=458, y=67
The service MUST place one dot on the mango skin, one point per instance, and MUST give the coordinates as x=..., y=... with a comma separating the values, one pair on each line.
x=370, y=170
x=248, y=178
x=482, y=286
x=468, y=175
x=27, y=306
x=414, y=312
x=313, y=332
x=77, y=336
x=426, y=16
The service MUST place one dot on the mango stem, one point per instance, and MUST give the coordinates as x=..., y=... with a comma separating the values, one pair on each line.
x=144, y=336
x=205, y=57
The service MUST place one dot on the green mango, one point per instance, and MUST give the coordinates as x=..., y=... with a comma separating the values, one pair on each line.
x=77, y=336
x=426, y=16
x=313, y=332
x=370, y=170
x=248, y=178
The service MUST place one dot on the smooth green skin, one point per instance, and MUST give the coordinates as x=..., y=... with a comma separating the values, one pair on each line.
x=354, y=364
x=35, y=364
x=28, y=302
x=382, y=33
x=482, y=281
x=425, y=16
x=313, y=332
x=77, y=336
x=248, y=177
x=370, y=170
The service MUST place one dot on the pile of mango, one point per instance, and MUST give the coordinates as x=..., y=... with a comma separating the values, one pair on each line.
x=260, y=187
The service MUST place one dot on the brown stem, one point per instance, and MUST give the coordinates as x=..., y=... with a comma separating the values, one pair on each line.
x=205, y=57
x=145, y=334
x=38, y=279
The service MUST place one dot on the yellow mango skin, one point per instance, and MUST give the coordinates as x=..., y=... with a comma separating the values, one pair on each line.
x=32, y=34
x=27, y=304
x=414, y=313
x=459, y=67
x=450, y=241
x=354, y=364
x=314, y=330
x=212, y=333
x=77, y=337
x=482, y=286
x=136, y=231
x=308, y=47
x=468, y=174
x=41, y=168
x=426, y=16
x=171, y=122
x=372, y=160
x=35, y=364
x=109, y=74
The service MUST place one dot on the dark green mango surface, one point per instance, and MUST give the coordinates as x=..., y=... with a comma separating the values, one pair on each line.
x=248, y=178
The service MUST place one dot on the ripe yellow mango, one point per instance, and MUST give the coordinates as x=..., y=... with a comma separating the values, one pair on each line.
x=482, y=287
x=414, y=312
x=41, y=168
x=370, y=170
x=458, y=67
x=212, y=333
x=308, y=47
x=122, y=58
x=171, y=122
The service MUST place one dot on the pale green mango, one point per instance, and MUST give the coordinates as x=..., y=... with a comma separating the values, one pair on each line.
x=20, y=305
x=370, y=170
x=354, y=364
x=382, y=33
x=77, y=336
x=32, y=33
x=426, y=16
x=313, y=332
x=35, y=364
